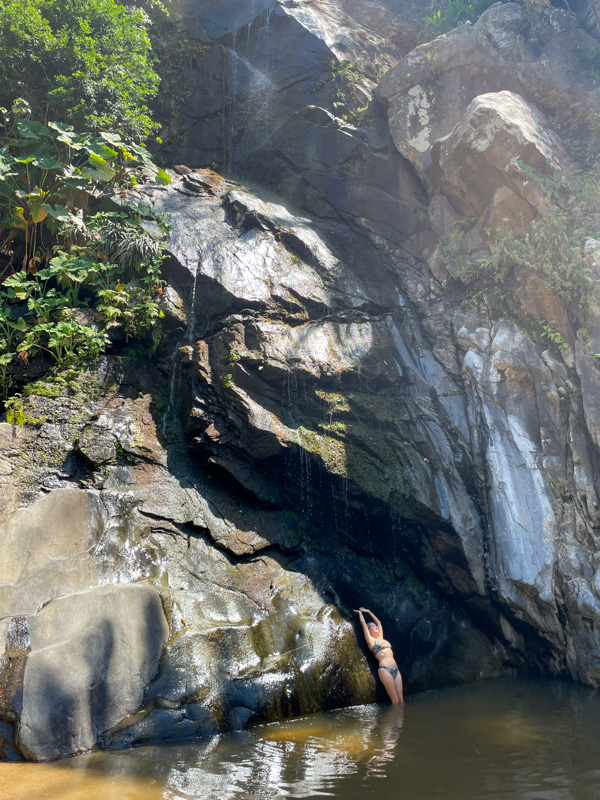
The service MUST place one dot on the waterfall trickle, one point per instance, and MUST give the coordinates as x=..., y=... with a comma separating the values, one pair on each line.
x=170, y=419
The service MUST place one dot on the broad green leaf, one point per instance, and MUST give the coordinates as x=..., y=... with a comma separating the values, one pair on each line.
x=73, y=178
x=59, y=212
x=127, y=155
x=163, y=177
x=7, y=160
x=61, y=127
x=64, y=134
x=18, y=279
x=102, y=172
x=18, y=324
x=144, y=155
x=112, y=138
x=108, y=152
x=31, y=129
x=59, y=261
x=46, y=274
x=47, y=162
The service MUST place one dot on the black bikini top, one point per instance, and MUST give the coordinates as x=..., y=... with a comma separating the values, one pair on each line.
x=380, y=644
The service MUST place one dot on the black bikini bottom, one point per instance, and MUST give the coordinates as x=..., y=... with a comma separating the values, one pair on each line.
x=393, y=672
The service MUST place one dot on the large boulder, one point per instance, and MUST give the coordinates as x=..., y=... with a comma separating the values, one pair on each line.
x=111, y=638
x=428, y=91
x=500, y=141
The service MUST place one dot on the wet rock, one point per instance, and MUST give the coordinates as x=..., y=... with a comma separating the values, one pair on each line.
x=356, y=172
x=128, y=429
x=112, y=638
x=173, y=307
x=11, y=438
x=272, y=652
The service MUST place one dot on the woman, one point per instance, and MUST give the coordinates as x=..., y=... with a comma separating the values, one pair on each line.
x=388, y=671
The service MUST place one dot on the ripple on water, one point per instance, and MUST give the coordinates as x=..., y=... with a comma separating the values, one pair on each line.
x=497, y=740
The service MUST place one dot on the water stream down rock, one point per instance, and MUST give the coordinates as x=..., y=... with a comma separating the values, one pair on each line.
x=329, y=422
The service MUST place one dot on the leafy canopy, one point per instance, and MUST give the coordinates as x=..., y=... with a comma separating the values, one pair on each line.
x=86, y=62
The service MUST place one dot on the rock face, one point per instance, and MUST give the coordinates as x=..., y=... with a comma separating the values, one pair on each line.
x=333, y=419
x=112, y=639
x=486, y=151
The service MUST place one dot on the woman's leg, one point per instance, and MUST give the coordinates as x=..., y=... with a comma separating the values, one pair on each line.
x=389, y=684
x=399, y=686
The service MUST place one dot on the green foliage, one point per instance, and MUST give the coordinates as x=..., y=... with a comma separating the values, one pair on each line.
x=345, y=75
x=584, y=204
x=234, y=358
x=464, y=12
x=41, y=169
x=551, y=186
x=86, y=62
x=449, y=250
x=553, y=337
x=551, y=246
x=59, y=257
x=227, y=380
x=456, y=12
x=177, y=56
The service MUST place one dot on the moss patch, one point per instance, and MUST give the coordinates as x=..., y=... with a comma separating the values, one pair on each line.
x=331, y=451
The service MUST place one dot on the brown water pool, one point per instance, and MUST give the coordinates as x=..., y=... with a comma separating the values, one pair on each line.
x=495, y=740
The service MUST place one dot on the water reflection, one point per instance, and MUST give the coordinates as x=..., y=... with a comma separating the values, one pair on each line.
x=499, y=740
x=309, y=757
x=391, y=723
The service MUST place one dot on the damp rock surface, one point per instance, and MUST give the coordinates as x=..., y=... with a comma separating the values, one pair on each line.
x=335, y=417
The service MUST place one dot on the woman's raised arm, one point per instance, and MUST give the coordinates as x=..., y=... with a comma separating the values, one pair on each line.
x=368, y=638
x=376, y=621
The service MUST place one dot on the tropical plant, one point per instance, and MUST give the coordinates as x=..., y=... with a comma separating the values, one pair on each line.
x=85, y=62
x=554, y=245
x=56, y=256
x=551, y=246
x=41, y=169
